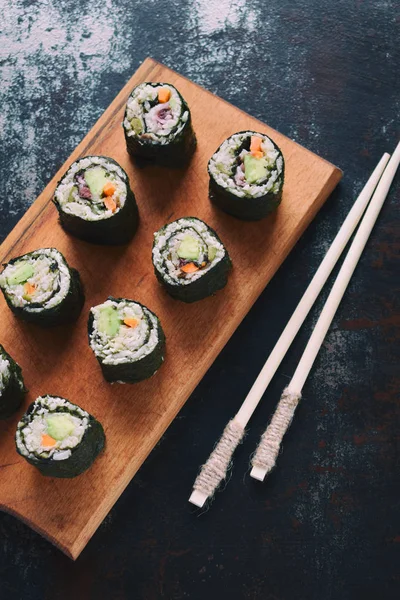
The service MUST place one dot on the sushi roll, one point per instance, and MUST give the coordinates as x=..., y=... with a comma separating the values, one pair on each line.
x=246, y=176
x=59, y=438
x=95, y=202
x=12, y=388
x=41, y=288
x=157, y=125
x=190, y=260
x=127, y=340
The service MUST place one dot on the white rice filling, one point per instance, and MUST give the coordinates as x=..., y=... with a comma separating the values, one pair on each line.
x=165, y=258
x=129, y=344
x=68, y=198
x=51, y=286
x=29, y=435
x=4, y=372
x=154, y=128
x=220, y=167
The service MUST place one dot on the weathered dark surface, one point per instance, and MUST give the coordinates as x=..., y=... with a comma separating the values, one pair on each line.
x=326, y=524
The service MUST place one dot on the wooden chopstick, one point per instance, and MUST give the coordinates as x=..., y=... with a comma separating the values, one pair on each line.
x=267, y=451
x=219, y=461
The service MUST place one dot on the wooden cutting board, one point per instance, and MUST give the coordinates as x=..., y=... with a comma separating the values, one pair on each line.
x=59, y=361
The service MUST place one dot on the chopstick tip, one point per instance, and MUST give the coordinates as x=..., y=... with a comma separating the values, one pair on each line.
x=198, y=498
x=258, y=473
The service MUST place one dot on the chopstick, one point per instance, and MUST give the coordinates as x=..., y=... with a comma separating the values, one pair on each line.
x=214, y=471
x=267, y=451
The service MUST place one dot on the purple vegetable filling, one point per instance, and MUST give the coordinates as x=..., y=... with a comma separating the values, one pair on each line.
x=83, y=189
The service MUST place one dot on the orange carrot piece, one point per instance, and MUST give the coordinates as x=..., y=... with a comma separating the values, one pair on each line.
x=255, y=143
x=29, y=288
x=255, y=146
x=109, y=189
x=164, y=94
x=189, y=268
x=131, y=322
x=48, y=441
x=110, y=204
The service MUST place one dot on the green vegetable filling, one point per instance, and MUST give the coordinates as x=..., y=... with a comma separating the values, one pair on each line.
x=59, y=426
x=22, y=273
x=136, y=125
x=255, y=169
x=212, y=253
x=109, y=321
x=71, y=197
x=223, y=168
x=189, y=248
x=96, y=178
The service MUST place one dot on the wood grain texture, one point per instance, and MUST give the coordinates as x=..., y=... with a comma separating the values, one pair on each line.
x=60, y=361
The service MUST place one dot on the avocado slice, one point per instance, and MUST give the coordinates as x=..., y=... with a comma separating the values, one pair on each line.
x=136, y=125
x=21, y=274
x=96, y=178
x=109, y=321
x=212, y=253
x=189, y=248
x=255, y=169
x=59, y=426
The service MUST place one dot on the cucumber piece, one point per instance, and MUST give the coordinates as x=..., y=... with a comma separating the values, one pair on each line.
x=255, y=169
x=189, y=248
x=109, y=321
x=212, y=253
x=21, y=274
x=71, y=197
x=96, y=178
x=59, y=426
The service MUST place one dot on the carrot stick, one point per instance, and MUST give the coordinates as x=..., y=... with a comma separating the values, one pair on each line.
x=131, y=322
x=164, y=94
x=189, y=268
x=255, y=147
x=29, y=288
x=48, y=441
x=109, y=189
x=110, y=204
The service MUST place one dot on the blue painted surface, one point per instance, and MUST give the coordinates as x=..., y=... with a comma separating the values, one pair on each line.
x=326, y=523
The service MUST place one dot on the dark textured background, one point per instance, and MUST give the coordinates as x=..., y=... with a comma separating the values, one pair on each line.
x=326, y=524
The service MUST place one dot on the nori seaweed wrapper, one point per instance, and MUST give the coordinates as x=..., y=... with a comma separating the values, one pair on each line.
x=65, y=312
x=116, y=230
x=175, y=153
x=14, y=389
x=82, y=456
x=245, y=208
x=136, y=370
x=206, y=285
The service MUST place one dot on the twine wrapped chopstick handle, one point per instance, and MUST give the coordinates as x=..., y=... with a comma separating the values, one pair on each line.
x=215, y=469
x=267, y=451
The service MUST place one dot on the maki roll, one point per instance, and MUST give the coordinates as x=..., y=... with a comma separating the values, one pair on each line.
x=95, y=202
x=41, y=288
x=58, y=437
x=157, y=125
x=190, y=260
x=127, y=340
x=246, y=176
x=12, y=389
